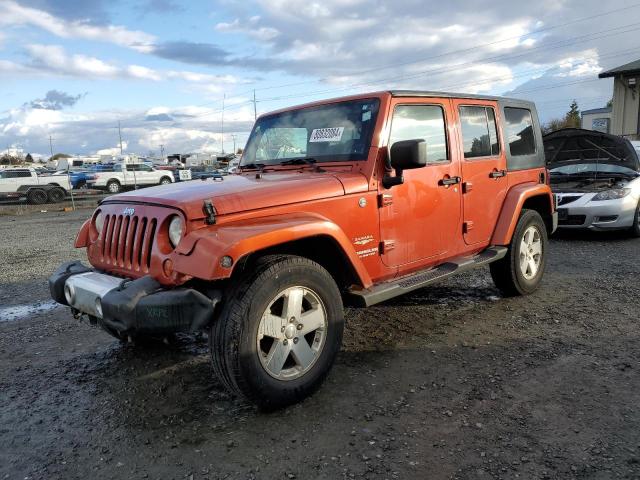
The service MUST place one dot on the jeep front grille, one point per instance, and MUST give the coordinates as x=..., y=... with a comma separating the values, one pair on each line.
x=127, y=241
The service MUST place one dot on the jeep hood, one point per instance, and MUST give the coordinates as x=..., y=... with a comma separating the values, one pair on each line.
x=244, y=192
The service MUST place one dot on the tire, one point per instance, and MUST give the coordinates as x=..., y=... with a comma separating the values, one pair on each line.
x=57, y=195
x=516, y=273
x=241, y=344
x=165, y=181
x=37, y=196
x=113, y=186
x=635, y=229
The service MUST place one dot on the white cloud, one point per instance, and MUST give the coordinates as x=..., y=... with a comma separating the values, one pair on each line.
x=249, y=27
x=54, y=60
x=12, y=14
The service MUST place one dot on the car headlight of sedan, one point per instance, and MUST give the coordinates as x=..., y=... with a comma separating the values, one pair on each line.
x=613, y=194
x=176, y=230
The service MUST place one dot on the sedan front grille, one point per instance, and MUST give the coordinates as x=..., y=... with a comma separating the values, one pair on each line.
x=127, y=241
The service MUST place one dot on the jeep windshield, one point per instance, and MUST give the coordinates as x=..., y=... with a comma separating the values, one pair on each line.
x=326, y=133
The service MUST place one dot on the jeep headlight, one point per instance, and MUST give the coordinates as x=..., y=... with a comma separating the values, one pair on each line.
x=99, y=222
x=613, y=194
x=176, y=230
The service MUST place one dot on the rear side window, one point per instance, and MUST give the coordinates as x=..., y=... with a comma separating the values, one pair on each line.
x=519, y=131
x=479, y=132
x=413, y=122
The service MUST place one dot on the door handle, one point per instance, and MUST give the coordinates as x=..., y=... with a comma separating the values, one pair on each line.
x=498, y=173
x=447, y=181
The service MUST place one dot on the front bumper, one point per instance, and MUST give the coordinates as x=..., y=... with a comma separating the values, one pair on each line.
x=604, y=215
x=131, y=306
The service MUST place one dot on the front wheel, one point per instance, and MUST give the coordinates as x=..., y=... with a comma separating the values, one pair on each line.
x=520, y=271
x=279, y=331
x=165, y=181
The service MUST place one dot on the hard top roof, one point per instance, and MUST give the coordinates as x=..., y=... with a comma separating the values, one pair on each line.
x=471, y=96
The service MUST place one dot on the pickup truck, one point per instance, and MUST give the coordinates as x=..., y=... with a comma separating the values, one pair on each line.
x=344, y=202
x=128, y=176
x=26, y=184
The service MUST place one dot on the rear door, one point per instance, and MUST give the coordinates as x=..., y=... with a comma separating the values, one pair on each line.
x=419, y=217
x=484, y=168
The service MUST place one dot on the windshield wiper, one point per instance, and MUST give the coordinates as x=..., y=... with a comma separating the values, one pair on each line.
x=252, y=166
x=299, y=161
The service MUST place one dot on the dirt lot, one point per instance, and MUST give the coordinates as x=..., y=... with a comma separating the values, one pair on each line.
x=449, y=382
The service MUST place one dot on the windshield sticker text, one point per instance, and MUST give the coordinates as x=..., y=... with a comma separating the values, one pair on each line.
x=333, y=134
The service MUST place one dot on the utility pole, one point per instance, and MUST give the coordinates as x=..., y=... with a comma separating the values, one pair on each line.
x=120, y=136
x=50, y=147
x=224, y=96
x=234, y=142
x=162, y=152
x=255, y=109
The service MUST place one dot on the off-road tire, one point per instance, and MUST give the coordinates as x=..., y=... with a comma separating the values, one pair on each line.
x=57, y=195
x=113, y=186
x=37, y=196
x=506, y=272
x=635, y=229
x=232, y=339
x=165, y=181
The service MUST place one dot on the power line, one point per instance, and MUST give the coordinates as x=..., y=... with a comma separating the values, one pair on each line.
x=441, y=55
x=441, y=70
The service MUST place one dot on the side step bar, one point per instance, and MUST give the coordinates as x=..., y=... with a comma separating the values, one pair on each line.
x=400, y=286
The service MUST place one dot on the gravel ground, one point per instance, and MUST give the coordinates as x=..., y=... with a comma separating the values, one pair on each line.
x=449, y=382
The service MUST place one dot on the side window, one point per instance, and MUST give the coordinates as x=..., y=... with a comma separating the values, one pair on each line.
x=479, y=132
x=519, y=131
x=23, y=174
x=412, y=122
x=145, y=168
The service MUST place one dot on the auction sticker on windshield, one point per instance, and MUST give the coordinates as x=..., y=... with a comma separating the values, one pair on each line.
x=332, y=134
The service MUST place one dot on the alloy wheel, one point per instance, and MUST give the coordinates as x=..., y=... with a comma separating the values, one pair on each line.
x=530, y=252
x=292, y=333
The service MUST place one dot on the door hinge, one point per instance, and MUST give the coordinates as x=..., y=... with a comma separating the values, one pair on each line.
x=386, y=246
x=384, y=200
x=466, y=226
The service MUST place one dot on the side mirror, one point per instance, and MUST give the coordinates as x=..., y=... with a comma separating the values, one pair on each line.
x=405, y=155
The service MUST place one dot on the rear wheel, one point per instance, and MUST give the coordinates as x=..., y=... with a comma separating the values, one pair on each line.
x=114, y=186
x=520, y=271
x=37, y=196
x=57, y=195
x=635, y=229
x=279, y=332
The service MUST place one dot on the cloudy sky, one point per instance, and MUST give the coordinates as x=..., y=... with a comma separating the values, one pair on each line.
x=73, y=70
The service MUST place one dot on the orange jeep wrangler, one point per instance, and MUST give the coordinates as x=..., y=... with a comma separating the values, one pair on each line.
x=350, y=201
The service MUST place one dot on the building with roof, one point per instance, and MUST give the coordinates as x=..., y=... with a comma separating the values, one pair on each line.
x=598, y=119
x=625, y=115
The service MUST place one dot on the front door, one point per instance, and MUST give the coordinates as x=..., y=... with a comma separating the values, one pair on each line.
x=420, y=217
x=484, y=182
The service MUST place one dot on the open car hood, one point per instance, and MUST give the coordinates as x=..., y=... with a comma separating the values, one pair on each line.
x=572, y=146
